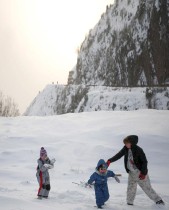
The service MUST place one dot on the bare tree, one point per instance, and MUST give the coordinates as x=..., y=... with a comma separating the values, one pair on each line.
x=8, y=108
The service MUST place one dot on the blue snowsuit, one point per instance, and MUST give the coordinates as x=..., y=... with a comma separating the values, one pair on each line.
x=100, y=184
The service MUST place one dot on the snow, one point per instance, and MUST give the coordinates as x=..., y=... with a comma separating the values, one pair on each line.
x=77, y=141
x=157, y=4
x=124, y=27
x=58, y=97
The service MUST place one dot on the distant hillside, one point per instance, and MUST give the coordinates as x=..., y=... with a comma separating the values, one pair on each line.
x=59, y=99
x=128, y=47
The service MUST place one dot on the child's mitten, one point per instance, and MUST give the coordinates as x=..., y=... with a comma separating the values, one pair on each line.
x=117, y=179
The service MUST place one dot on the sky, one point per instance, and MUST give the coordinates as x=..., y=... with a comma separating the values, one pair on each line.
x=39, y=41
x=99, y=135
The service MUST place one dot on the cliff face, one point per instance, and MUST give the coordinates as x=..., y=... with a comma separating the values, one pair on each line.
x=59, y=99
x=128, y=47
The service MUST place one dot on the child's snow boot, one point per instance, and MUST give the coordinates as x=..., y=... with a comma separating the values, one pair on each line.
x=161, y=202
x=39, y=197
x=130, y=204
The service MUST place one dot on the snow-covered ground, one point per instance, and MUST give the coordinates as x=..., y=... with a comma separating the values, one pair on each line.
x=78, y=141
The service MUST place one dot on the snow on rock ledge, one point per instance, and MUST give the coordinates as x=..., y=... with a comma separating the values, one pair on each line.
x=61, y=99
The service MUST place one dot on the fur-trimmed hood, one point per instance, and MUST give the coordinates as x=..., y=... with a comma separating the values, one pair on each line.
x=101, y=162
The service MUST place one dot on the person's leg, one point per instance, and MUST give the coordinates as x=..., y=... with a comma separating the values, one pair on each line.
x=47, y=185
x=132, y=187
x=147, y=188
x=46, y=192
x=106, y=194
x=99, y=197
x=41, y=187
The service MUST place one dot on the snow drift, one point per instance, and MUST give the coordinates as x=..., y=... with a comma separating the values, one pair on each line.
x=78, y=141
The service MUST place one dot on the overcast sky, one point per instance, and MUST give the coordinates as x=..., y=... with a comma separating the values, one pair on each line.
x=38, y=42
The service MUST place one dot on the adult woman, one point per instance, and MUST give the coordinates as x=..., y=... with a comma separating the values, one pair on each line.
x=135, y=163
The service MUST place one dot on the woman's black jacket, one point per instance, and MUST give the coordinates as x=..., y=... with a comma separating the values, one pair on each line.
x=139, y=158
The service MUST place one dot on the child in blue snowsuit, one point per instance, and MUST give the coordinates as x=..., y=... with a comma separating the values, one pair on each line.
x=99, y=177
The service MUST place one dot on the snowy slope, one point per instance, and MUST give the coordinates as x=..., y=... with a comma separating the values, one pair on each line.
x=60, y=99
x=78, y=141
x=129, y=46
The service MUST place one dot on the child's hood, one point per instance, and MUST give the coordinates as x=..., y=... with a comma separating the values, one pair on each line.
x=101, y=162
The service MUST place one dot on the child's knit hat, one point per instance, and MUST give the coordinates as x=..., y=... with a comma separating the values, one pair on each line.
x=42, y=152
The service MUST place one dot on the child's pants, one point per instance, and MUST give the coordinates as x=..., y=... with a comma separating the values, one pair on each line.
x=102, y=195
x=44, y=188
x=133, y=180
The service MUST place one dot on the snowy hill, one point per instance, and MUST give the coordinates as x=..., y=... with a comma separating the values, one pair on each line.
x=129, y=46
x=60, y=99
x=78, y=141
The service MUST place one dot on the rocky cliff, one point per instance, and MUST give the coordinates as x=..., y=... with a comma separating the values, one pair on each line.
x=60, y=99
x=128, y=47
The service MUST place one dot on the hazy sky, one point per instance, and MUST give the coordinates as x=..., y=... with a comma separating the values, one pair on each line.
x=38, y=42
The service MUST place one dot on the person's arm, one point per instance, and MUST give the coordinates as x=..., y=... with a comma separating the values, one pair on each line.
x=52, y=161
x=117, y=156
x=48, y=164
x=42, y=168
x=112, y=174
x=144, y=162
x=92, y=179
